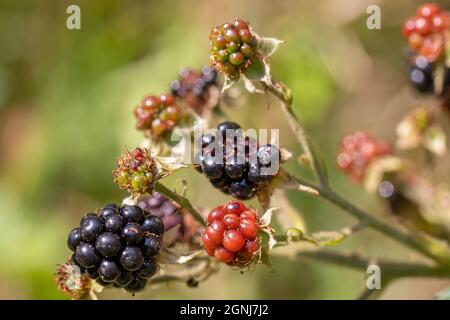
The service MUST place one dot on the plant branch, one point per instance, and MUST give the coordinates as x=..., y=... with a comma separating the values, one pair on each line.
x=182, y=201
x=427, y=246
x=388, y=268
x=284, y=95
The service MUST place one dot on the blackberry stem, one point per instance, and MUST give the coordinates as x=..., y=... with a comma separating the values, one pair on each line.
x=284, y=95
x=389, y=268
x=182, y=201
x=428, y=246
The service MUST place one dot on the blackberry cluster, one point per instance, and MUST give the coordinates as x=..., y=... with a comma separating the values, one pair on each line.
x=117, y=246
x=172, y=215
x=231, y=234
x=240, y=171
x=358, y=151
x=157, y=115
x=233, y=47
x=428, y=37
x=193, y=87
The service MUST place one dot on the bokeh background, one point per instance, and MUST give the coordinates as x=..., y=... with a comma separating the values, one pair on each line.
x=66, y=100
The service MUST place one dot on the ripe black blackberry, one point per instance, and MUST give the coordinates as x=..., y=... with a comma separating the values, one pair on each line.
x=421, y=74
x=118, y=246
x=242, y=167
x=195, y=88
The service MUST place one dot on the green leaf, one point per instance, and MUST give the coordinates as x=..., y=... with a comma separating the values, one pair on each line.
x=257, y=71
x=268, y=46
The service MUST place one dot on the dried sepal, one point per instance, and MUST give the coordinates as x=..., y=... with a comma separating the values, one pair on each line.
x=71, y=281
x=419, y=128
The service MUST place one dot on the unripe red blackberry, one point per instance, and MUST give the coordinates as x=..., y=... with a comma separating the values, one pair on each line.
x=171, y=215
x=244, y=168
x=120, y=252
x=231, y=234
x=197, y=89
x=357, y=153
x=233, y=47
x=158, y=115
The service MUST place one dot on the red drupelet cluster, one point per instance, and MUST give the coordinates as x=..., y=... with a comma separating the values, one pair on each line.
x=358, y=151
x=428, y=31
x=157, y=115
x=231, y=234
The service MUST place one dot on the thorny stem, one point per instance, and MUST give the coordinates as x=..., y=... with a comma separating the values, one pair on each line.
x=427, y=246
x=182, y=201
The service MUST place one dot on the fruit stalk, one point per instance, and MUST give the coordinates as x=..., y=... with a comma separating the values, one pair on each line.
x=182, y=201
x=284, y=95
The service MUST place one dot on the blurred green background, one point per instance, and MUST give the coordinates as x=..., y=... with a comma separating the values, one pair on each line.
x=66, y=98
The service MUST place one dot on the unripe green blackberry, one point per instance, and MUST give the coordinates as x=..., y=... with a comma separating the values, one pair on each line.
x=233, y=47
x=136, y=171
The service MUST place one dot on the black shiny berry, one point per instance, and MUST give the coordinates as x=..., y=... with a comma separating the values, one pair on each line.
x=132, y=233
x=125, y=279
x=151, y=247
x=74, y=260
x=108, y=244
x=92, y=273
x=153, y=224
x=136, y=285
x=74, y=239
x=112, y=206
x=132, y=213
x=86, y=255
x=242, y=189
x=131, y=258
x=108, y=271
x=86, y=216
x=420, y=80
x=106, y=212
x=91, y=228
x=114, y=223
x=212, y=169
x=227, y=125
x=148, y=269
x=234, y=169
x=269, y=155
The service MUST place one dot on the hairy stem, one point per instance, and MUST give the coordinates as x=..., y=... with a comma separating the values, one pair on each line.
x=429, y=247
x=388, y=268
x=284, y=95
x=182, y=201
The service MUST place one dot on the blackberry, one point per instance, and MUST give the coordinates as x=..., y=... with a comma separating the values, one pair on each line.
x=157, y=116
x=231, y=234
x=117, y=248
x=233, y=47
x=244, y=167
x=358, y=151
x=196, y=88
